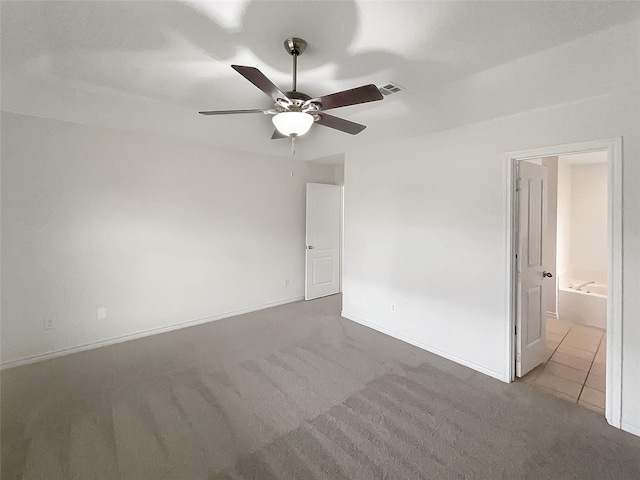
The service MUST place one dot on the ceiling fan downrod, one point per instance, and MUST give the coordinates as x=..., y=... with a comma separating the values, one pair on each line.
x=294, y=84
x=295, y=46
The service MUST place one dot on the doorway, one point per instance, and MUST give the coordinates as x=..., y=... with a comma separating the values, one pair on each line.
x=551, y=337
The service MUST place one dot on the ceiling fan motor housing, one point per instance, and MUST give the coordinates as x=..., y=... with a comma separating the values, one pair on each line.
x=302, y=97
x=298, y=102
x=295, y=46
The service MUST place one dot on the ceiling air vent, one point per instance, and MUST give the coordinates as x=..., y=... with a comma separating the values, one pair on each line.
x=390, y=89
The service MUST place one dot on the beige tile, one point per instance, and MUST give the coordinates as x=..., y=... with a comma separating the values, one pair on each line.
x=559, y=323
x=598, y=369
x=550, y=352
x=582, y=344
x=588, y=328
x=556, y=329
x=597, y=382
x=532, y=375
x=596, y=409
x=576, y=352
x=555, y=393
x=559, y=333
x=565, y=371
x=551, y=344
x=555, y=337
x=587, y=331
x=601, y=356
x=559, y=384
x=571, y=361
x=592, y=396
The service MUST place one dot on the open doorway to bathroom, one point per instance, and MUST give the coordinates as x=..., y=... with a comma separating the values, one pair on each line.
x=576, y=255
x=565, y=265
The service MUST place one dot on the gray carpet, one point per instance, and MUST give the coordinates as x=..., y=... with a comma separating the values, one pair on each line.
x=292, y=392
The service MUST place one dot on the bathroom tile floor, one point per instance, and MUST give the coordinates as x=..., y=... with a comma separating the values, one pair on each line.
x=575, y=366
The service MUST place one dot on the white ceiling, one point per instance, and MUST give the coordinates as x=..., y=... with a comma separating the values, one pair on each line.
x=148, y=67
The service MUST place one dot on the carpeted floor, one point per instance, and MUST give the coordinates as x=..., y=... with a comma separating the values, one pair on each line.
x=292, y=392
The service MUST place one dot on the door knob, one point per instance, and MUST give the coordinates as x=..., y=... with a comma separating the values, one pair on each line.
x=310, y=247
x=547, y=274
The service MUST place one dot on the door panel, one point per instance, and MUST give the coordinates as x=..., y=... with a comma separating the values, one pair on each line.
x=534, y=310
x=323, y=241
x=323, y=271
x=535, y=222
x=532, y=224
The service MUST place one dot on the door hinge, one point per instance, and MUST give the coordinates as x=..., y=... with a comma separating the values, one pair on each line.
x=518, y=184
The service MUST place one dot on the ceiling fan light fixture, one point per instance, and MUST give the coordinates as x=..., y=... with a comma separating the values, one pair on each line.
x=293, y=123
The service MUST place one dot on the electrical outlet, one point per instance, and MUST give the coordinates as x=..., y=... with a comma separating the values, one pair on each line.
x=393, y=307
x=101, y=314
x=49, y=323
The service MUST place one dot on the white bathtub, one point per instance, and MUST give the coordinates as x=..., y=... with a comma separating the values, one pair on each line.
x=588, y=307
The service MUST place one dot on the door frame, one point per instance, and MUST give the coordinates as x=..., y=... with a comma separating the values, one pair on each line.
x=613, y=147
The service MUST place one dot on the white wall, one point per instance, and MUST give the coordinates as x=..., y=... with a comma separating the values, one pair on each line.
x=339, y=174
x=563, y=247
x=582, y=218
x=589, y=249
x=425, y=228
x=158, y=232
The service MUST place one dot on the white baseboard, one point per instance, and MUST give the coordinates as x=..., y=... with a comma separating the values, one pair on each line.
x=552, y=314
x=627, y=427
x=428, y=348
x=132, y=336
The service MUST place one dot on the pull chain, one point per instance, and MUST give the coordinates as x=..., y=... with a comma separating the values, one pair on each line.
x=293, y=146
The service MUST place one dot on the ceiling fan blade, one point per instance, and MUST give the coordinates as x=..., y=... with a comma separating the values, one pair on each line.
x=231, y=112
x=340, y=124
x=276, y=135
x=364, y=94
x=258, y=78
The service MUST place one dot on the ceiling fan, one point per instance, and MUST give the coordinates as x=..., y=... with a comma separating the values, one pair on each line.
x=295, y=112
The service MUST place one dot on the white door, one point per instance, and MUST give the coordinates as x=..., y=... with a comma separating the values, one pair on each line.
x=531, y=306
x=323, y=241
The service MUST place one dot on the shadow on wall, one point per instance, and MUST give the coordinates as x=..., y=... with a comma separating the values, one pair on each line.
x=104, y=44
x=152, y=47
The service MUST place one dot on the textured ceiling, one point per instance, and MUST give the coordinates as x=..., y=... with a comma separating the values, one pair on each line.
x=148, y=66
